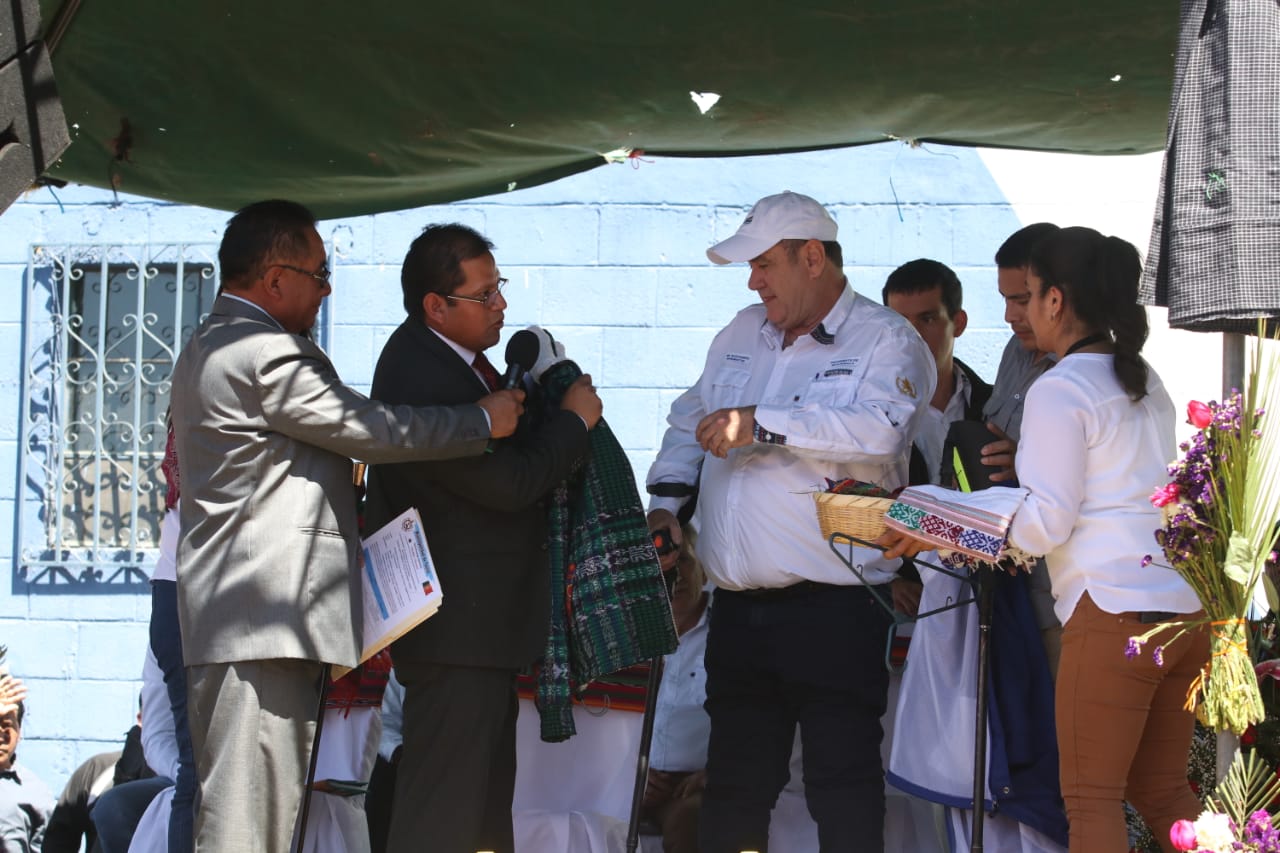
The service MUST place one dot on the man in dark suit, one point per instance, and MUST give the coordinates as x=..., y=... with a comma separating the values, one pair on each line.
x=267, y=587
x=485, y=523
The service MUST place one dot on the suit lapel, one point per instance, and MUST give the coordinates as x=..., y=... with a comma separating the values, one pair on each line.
x=447, y=356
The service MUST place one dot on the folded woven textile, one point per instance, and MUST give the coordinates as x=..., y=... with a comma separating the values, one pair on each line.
x=973, y=524
x=609, y=605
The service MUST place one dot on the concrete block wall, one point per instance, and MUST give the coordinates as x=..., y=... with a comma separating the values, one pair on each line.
x=613, y=261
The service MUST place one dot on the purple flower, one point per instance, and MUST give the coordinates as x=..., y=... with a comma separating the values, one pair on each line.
x=1133, y=648
x=1158, y=655
x=1260, y=834
x=1147, y=559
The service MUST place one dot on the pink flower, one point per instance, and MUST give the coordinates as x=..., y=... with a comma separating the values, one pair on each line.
x=1198, y=414
x=1166, y=494
x=1183, y=835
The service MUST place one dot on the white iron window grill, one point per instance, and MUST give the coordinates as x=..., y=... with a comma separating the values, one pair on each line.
x=102, y=329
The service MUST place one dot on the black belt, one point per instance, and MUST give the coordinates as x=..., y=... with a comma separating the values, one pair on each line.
x=795, y=590
x=1150, y=617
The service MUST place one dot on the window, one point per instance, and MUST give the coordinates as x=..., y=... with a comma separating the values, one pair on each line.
x=102, y=329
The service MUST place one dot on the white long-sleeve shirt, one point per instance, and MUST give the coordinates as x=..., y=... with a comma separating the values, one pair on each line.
x=392, y=718
x=681, y=726
x=159, y=742
x=847, y=408
x=167, y=562
x=1090, y=458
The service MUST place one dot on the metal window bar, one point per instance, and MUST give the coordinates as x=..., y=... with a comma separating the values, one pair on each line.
x=92, y=430
x=102, y=393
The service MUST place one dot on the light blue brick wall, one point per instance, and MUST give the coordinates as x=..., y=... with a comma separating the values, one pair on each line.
x=613, y=261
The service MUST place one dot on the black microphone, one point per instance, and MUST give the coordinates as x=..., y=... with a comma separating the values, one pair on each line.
x=522, y=354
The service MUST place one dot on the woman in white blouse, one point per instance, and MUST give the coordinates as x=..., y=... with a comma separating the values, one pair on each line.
x=1097, y=434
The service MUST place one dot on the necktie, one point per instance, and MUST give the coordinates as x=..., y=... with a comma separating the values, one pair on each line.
x=486, y=371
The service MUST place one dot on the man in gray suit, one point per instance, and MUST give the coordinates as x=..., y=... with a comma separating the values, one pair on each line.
x=267, y=588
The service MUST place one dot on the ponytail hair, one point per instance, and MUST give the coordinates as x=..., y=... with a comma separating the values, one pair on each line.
x=1098, y=277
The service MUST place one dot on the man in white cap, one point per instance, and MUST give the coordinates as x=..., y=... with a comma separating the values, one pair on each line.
x=814, y=383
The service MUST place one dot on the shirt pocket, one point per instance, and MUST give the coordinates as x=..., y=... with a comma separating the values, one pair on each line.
x=830, y=390
x=728, y=385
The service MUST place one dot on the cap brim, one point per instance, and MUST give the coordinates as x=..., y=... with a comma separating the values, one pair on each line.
x=738, y=248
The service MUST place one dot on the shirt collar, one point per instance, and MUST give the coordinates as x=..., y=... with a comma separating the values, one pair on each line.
x=465, y=354
x=274, y=321
x=963, y=390
x=827, y=329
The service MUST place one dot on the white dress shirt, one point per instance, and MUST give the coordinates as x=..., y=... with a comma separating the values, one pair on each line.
x=935, y=424
x=392, y=718
x=681, y=727
x=847, y=408
x=159, y=741
x=1090, y=458
x=167, y=562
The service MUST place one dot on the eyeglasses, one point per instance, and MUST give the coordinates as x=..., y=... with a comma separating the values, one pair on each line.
x=487, y=298
x=322, y=276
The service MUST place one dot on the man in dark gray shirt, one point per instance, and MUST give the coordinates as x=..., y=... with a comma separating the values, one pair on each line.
x=1021, y=364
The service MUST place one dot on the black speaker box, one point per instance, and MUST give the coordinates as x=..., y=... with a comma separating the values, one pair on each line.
x=33, y=130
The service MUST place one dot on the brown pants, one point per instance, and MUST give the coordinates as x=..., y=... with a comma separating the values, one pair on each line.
x=1122, y=731
x=676, y=816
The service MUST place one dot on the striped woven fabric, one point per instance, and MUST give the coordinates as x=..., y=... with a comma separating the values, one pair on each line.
x=898, y=648
x=623, y=690
x=363, y=686
x=974, y=523
x=609, y=606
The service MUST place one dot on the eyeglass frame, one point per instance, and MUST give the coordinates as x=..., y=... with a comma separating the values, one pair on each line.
x=325, y=278
x=489, y=295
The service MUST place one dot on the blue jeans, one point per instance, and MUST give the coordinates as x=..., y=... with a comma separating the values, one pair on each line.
x=116, y=813
x=166, y=645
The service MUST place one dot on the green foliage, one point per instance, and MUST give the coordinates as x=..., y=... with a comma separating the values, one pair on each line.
x=1250, y=785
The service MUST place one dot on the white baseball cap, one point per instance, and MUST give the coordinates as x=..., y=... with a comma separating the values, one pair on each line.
x=785, y=216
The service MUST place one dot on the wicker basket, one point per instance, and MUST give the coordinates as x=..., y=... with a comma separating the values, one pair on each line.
x=852, y=515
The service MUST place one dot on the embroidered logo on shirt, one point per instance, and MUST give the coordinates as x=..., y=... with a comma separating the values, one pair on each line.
x=905, y=386
x=838, y=371
x=846, y=362
x=737, y=358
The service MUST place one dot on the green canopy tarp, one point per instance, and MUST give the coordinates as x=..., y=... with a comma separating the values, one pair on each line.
x=356, y=108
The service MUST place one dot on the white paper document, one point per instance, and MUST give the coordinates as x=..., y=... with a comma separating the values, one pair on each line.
x=401, y=587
